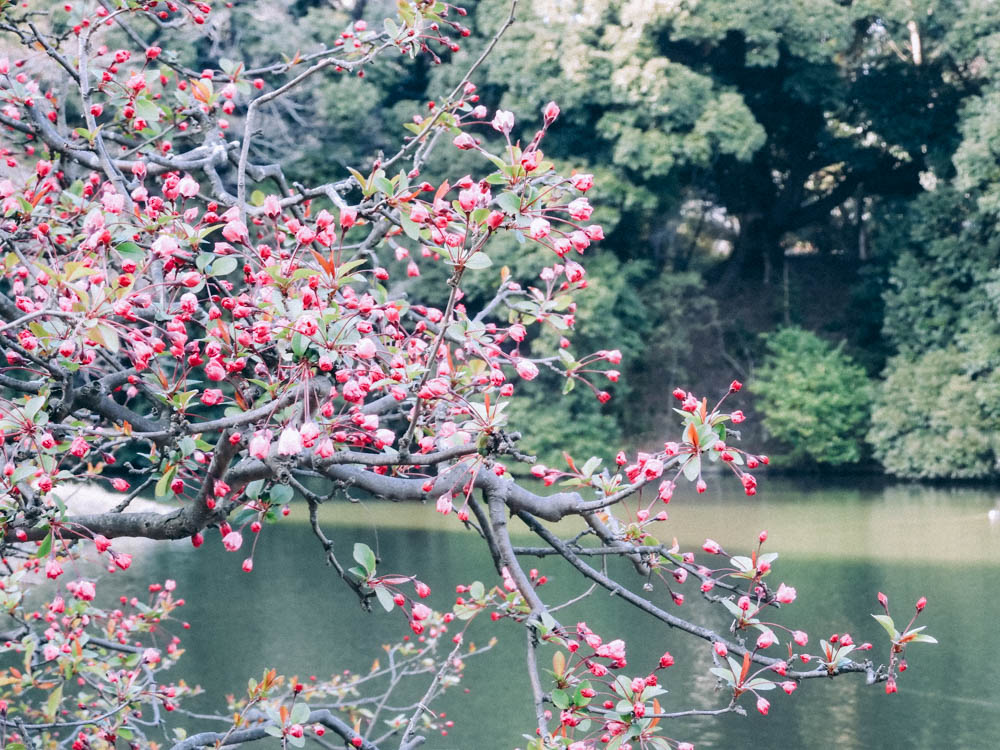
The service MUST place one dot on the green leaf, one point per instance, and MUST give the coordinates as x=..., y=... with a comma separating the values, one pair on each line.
x=224, y=266
x=46, y=546
x=384, y=598
x=477, y=590
x=130, y=251
x=741, y=563
x=281, y=494
x=410, y=227
x=364, y=556
x=478, y=261
x=509, y=203
x=52, y=704
x=559, y=699
x=253, y=489
x=300, y=713
x=921, y=638
x=31, y=408
x=257, y=198
x=109, y=338
x=890, y=627
x=692, y=469
x=591, y=466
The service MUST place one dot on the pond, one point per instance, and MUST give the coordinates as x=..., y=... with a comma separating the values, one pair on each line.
x=839, y=545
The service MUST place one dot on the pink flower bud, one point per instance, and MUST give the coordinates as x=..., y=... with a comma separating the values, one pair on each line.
x=786, y=594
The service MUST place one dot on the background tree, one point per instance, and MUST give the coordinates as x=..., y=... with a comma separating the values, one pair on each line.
x=815, y=400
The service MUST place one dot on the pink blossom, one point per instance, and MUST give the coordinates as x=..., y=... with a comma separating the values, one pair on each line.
x=720, y=648
x=712, y=547
x=464, y=142
x=84, y=590
x=365, y=349
x=123, y=560
x=444, y=504
x=786, y=594
x=503, y=121
x=325, y=448
x=789, y=686
x=248, y=565
x=187, y=187
x=211, y=397
x=79, y=447
x=800, y=637
x=763, y=706
x=765, y=639
x=612, y=650
x=215, y=370
x=574, y=272
x=236, y=231
x=348, y=217
x=666, y=490
x=550, y=112
x=289, y=442
x=539, y=228
x=306, y=325
x=580, y=209
x=151, y=656
x=526, y=369
x=309, y=432
x=260, y=444
x=164, y=247
x=232, y=541
x=582, y=182
x=421, y=611
x=53, y=569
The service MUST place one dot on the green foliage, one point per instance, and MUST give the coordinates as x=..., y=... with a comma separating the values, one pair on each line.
x=938, y=416
x=935, y=288
x=815, y=399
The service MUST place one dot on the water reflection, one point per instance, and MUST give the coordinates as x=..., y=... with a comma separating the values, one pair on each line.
x=839, y=546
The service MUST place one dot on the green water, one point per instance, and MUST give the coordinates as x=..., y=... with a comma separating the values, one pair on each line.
x=839, y=545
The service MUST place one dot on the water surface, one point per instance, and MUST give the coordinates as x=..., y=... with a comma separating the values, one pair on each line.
x=839, y=545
